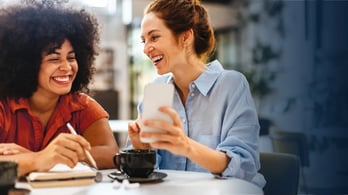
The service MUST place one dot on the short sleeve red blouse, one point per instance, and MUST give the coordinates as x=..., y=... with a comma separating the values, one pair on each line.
x=18, y=125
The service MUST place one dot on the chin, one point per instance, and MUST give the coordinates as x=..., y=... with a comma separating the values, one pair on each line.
x=161, y=72
x=63, y=92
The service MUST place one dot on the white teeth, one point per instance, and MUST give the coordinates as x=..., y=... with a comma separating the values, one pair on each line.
x=62, y=78
x=157, y=58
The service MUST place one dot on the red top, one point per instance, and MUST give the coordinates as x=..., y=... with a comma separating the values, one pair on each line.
x=18, y=125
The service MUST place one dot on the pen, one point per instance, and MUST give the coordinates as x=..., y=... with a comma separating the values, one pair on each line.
x=89, y=156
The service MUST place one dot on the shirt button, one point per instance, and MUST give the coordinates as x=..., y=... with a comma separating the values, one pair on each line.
x=184, y=120
x=192, y=94
x=193, y=85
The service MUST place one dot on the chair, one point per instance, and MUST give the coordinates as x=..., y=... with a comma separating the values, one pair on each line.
x=281, y=172
x=292, y=143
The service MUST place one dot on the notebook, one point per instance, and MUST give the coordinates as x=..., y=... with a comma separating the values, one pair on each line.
x=62, y=175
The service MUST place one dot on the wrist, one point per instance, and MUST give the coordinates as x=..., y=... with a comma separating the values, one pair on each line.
x=27, y=163
x=189, y=148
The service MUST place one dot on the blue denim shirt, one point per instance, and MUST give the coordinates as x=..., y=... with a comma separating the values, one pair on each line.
x=219, y=113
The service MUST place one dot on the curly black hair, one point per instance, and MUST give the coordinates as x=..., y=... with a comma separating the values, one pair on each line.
x=35, y=26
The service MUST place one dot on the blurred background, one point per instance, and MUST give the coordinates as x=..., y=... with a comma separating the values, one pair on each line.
x=293, y=53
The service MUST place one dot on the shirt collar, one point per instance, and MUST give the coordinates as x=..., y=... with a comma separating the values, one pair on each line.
x=19, y=104
x=207, y=79
x=23, y=103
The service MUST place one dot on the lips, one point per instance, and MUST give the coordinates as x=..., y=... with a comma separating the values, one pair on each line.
x=156, y=59
x=61, y=79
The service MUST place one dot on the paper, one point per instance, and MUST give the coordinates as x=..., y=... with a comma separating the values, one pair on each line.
x=62, y=175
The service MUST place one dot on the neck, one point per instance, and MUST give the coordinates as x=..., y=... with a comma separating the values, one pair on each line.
x=42, y=104
x=185, y=76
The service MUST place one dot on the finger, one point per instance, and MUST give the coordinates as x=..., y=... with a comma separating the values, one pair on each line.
x=173, y=114
x=77, y=149
x=2, y=150
x=133, y=127
x=161, y=124
x=138, y=124
x=161, y=137
x=77, y=139
x=71, y=155
x=54, y=158
x=10, y=152
x=162, y=145
x=73, y=143
x=166, y=146
x=54, y=154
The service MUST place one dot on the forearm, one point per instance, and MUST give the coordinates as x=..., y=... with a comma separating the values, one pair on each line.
x=103, y=155
x=26, y=162
x=103, y=144
x=212, y=160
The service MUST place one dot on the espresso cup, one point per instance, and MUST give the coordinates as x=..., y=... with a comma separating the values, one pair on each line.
x=135, y=162
x=8, y=175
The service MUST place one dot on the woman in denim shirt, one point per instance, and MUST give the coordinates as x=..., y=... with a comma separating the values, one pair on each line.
x=215, y=125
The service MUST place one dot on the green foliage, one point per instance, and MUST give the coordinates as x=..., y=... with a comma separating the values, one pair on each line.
x=260, y=76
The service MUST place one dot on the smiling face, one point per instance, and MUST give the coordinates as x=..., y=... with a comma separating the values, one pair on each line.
x=160, y=44
x=58, y=70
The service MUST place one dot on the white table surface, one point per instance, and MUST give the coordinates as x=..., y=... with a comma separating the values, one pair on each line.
x=176, y=183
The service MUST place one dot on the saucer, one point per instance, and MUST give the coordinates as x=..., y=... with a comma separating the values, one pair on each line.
x=153, y=177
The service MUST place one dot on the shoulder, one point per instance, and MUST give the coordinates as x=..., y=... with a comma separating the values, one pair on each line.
x=78, y=101
x=82, y=97
x=82, y=103
x=233, y=76
x=225, y=75
x=228, y=82
x=235, y=81
x=83, y=109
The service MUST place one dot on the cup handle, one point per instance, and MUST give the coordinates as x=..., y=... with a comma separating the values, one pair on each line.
x=117, y=162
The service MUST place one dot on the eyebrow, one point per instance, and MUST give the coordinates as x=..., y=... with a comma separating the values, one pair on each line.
x=149, y=33
x=54, y=52
x=57, y=53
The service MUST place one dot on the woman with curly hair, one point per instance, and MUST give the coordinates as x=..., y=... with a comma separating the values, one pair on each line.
x=46, y=63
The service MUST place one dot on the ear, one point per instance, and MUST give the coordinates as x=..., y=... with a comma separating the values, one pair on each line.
x=187, y=38
x=188, y=35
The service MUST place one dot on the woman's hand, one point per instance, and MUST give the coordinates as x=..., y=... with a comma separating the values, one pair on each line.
x=133, y=133
x=173, y=138
x=12, y=149
x=65, y=148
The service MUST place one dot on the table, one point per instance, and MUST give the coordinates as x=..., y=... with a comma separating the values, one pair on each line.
x=176, y=183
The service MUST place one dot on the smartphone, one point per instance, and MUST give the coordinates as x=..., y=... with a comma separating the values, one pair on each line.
x=155, y=96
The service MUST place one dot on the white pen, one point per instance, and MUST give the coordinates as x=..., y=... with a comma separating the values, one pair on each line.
x=89, y=156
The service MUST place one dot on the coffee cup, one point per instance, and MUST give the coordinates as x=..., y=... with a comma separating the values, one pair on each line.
x=135, y=162
x=8, y=175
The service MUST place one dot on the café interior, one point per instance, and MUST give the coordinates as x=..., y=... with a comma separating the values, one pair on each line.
x=281, y=48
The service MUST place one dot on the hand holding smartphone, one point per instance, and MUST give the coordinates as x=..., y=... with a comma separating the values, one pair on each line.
x=155, y=96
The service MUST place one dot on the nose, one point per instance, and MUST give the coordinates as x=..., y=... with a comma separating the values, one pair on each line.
x=65, y=66
x=147, y=49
